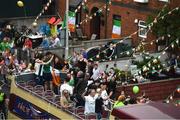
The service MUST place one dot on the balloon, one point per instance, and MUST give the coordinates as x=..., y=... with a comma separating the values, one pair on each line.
x=135, y=89
x=20, y=3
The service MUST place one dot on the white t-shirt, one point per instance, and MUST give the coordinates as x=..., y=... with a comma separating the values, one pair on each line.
x=104, y=95
x=96, y=74
x=89, y=82
x=67, y=87
x=89, y=104
x=56, y=43
x=37, y=69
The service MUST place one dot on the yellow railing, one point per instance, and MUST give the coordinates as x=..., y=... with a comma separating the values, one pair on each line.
x=37, y=101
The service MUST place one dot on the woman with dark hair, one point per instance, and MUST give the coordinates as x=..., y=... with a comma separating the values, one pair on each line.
x=112, y=88
x=58, y=62
x=81, y=64
x=47, y=72
x=47, y=76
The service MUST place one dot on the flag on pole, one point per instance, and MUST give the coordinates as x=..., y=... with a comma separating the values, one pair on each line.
x=116, y=30
x=72, y=21
x=64, y=22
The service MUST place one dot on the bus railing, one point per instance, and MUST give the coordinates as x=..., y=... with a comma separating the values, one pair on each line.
x=72, y=111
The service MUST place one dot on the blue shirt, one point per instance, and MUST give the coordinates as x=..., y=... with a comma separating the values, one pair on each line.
x=84, y=55
x=45, y=44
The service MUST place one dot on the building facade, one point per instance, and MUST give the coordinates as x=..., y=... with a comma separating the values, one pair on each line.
x=131, y=13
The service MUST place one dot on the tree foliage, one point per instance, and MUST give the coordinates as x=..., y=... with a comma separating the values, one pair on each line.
x=149, y=64
x=168, y=26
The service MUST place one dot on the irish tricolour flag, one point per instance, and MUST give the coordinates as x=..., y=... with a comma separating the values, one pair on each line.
x=72, y=21
x=116, y=31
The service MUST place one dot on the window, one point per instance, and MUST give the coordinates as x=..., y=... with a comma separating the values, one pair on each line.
x=78, y=18
x=164, y=0
x=142, y=29
x=141, y=1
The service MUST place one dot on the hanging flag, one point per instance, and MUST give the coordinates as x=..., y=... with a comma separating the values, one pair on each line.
x=72, y=21
x=116, y=30
x=64, y=22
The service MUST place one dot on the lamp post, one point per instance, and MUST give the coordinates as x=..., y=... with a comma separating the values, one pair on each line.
x=67, y=31
x=106, y=16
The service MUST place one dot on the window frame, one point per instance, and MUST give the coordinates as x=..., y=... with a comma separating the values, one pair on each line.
x=142, y=29
x=164, y=0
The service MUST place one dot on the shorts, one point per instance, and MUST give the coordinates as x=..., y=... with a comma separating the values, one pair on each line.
x=47, y=76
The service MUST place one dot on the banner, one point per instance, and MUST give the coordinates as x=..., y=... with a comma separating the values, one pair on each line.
x=116, y=30
x=26, y=110
x=72, y=21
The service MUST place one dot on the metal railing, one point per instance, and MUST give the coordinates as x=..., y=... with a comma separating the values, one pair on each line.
x=50, y=102
x=2, y=116
x=59, y=51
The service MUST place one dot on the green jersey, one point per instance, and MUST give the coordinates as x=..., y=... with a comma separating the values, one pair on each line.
x=4, y=46
x=47, y=68
x=118, y=104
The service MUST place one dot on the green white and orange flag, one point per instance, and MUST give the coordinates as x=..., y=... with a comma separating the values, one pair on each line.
x=72, y=21
x=116, y=31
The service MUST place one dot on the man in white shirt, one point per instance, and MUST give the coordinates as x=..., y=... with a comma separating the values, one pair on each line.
x=104, y=94
x=39, y=71
x=90, y=102
x=96, y=72
x=105, y=98
x=38, y=68
x=66, y=86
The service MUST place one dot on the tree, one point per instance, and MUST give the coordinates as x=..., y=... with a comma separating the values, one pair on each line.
x=149, y=64
x=168, y=27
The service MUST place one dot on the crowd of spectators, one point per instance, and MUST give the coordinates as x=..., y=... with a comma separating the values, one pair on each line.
x=16, y=52
x=85, y=83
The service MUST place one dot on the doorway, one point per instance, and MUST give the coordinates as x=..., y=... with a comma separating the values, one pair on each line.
x=95, y=23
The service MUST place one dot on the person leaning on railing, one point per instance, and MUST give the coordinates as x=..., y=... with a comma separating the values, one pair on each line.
x=65, y=100
x=120, y=101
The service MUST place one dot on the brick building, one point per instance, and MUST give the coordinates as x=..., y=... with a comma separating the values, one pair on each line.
x=132, y=13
